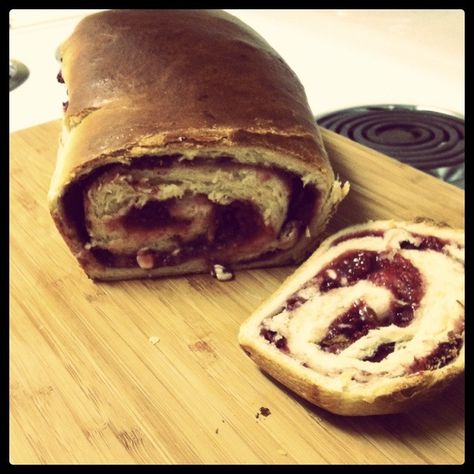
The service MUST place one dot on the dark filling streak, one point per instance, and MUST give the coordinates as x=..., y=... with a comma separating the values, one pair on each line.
x=274, y=338
x=236, y=223
x=358, y=235
x=110, y=259
x=400, y=276
x=426, y=243
x=73, y=202
x=400, y=314
x=166, y=161
x=240, y=217
x=246, y=224
x=294, y=302
x=381, y=352
x=303, y=202
x=349, y=327
x=107, y=258
x=396, y=274
x=441, y=356
x=196, y=247
x=353, y=266
x=151, y=161
x=153, y=215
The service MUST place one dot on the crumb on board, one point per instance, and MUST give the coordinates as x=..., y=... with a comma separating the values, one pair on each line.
x=154, y=340
x=221, y=273
x=264, y=411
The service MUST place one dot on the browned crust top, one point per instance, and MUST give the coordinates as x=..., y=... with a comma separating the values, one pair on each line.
x=158, y=72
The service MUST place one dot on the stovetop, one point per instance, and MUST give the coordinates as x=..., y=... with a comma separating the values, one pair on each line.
x=428, y=139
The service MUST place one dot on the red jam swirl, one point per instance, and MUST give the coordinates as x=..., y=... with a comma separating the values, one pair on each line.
x=275, y=338
x=350, y=326
x=441, y=356
x=395, y=273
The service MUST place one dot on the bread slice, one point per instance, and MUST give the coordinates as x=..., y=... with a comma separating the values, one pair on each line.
x=372, y=323
x=187, y=142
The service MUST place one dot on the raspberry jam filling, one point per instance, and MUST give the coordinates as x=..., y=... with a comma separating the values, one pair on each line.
x=294, y=302
x=198, y=246
x=152, y=215
x=425, y=243
x=238, y=226
x=395, y=273
x=275, y=338
x=346, y=270
x=358, y=235
x=442, y=355
x=350, y=326
x=239, y=223
x=381, y=352
x=386, y=269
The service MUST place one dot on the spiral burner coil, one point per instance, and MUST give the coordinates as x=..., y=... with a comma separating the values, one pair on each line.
x=426, y=139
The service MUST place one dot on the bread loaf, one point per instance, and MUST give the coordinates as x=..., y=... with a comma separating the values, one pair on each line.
x=187, y=142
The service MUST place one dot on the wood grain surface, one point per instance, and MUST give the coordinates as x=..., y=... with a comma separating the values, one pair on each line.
x=151, y=372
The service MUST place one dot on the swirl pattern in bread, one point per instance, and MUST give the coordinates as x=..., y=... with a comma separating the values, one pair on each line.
x=371, y=323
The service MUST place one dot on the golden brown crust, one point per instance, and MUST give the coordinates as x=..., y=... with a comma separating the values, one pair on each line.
x=402, y=397
x=153, y=73
x=385, y=394
x=110, y=51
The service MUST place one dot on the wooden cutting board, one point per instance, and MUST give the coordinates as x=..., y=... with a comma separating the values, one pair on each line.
x=151, y=372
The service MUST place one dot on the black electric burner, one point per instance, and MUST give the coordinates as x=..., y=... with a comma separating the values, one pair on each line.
x=429, y=140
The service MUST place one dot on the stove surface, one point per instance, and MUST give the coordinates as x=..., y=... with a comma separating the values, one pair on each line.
x=428, y=139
